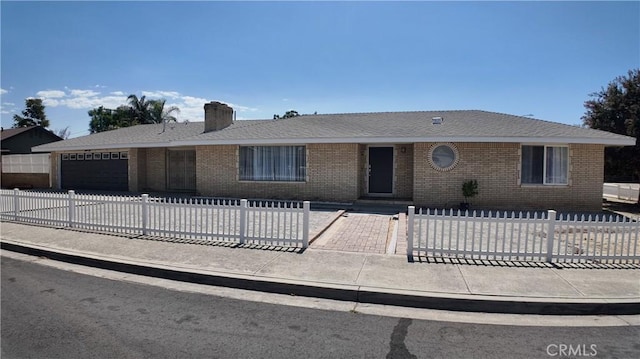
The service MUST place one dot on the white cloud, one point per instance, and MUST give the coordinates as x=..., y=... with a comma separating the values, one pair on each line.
x=3, y=91
x=241, y=108
x=84, y=93
x=161, y=94
x=113, y=101
x=194, y=101
x=191, y=107
x=47, y=94
x=8, y=108
x=82, y=102
x=93, y=102
x=190, y=111
x=50, y=102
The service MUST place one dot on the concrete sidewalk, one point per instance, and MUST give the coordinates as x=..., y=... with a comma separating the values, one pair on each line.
x=359, y=277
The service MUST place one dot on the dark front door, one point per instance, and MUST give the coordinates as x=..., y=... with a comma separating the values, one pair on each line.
x=380, y=170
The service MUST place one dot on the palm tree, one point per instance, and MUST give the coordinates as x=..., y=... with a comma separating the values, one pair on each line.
x=160, y=114
x=140, y=110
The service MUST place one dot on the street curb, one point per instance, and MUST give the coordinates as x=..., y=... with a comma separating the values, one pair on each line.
x=352, y=293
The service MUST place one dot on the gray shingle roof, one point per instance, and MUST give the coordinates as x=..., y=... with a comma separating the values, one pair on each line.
x=10, y=132
x=135, y=136
x=470, y=123
x=458, y=126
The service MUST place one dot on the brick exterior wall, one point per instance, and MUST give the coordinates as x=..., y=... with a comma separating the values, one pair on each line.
x=496, y=167
x=25, y=180
x=403, y=171
x=362, y=170
x=332, y=175
x=136, y=155
x=54, y=169
x=336, y=172
x=155, y=169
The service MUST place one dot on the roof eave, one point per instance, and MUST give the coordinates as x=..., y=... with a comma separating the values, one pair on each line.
x=622, y=141
x=44, y=148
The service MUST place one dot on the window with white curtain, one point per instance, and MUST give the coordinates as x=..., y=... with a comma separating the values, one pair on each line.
x=273, y=163
x=545, y=165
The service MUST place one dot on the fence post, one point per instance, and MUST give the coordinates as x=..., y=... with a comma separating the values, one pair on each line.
x=306, y=211
x=243, y=220
x=410, y=219
x=552, y=216
x=145, y=214
x=16, y=203
x=72, y=207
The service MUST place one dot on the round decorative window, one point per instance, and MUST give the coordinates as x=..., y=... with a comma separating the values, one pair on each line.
x=443, y=157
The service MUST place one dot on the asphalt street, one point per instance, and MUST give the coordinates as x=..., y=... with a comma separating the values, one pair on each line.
x=52, y=313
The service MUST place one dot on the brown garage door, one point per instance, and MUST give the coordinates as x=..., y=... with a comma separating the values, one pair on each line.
x=107, y=171
x=182, y=170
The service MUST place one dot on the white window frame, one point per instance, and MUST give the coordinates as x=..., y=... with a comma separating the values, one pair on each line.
x=456, y=156
x=544, y=165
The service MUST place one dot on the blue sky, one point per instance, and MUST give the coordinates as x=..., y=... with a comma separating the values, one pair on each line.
x=264, y=58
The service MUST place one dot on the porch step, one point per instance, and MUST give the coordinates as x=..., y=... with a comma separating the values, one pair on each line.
x=384, y=201
x=382, y=205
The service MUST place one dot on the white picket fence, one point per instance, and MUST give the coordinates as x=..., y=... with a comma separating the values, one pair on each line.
x=621, y=191
x=281, y=224
x=523, y=236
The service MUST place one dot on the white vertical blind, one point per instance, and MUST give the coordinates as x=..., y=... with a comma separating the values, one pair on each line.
x=557, y=165
x=272, y=163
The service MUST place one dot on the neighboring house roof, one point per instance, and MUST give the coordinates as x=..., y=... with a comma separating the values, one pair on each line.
x=10, y=132
x=382, y=127
x=21, y=139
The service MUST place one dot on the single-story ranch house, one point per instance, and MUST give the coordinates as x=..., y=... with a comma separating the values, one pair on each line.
x=421, y=157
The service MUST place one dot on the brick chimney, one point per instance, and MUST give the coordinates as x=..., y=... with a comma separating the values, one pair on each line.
x=217, y=116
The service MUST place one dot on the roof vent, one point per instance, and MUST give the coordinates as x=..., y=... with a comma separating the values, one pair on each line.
x=437, y=120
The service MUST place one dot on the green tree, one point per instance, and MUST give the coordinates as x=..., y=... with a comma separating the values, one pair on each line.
x=32, y=115
x=105, y=119
x=140, y=109
x=616, y=108
x=288, y=114
x=137, y=111
x=161, y=114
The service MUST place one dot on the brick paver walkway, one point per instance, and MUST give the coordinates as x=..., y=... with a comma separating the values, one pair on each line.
x=357, y=232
